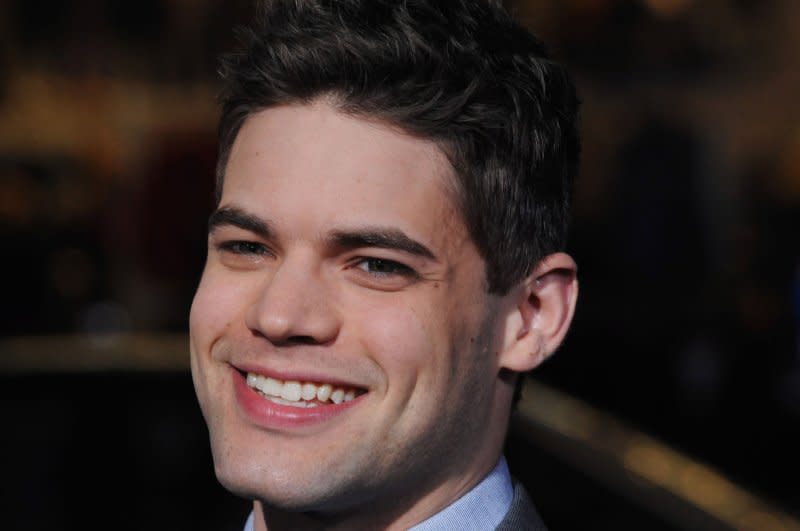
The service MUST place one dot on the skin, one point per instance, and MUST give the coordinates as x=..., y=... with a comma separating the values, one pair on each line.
x=295, y=284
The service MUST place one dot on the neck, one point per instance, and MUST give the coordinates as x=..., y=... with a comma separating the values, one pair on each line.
x=402, y=513
x=268, y=518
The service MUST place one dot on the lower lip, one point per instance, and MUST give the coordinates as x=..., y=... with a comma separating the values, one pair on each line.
x=267, y=414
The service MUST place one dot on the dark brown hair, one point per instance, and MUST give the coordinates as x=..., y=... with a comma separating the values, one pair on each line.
x=461, y=73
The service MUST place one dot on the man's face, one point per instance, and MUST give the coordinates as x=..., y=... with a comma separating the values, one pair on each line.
x=339, y=270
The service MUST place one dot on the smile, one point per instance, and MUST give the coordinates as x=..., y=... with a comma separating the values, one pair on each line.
x=291, y=404
x=300, y=394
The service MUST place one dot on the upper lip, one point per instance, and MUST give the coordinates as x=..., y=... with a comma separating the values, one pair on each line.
x=295, y=375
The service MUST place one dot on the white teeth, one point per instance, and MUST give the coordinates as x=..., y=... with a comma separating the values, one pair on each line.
x=337, y=397
x=324, y=392
x=292, y=391
x=291, y=403
x=309, y=391
x=298, y=394
x=273, y=387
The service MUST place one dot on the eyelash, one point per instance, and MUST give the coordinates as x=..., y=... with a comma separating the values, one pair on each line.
x=242, y=247
x=396, y=267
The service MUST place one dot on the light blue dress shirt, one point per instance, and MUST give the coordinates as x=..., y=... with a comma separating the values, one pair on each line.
x=480, y=509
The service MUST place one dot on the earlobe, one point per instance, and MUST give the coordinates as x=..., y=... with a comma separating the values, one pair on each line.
x=544, y=304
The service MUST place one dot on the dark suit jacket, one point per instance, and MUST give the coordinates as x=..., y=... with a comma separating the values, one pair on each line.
x=522, y=515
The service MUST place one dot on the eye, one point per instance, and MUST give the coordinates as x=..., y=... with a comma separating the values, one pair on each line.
x=243, y=247
x=381, y=267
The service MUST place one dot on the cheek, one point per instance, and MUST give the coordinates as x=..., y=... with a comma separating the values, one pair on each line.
x=411, y=340
x=215, y=312
x=217, y=304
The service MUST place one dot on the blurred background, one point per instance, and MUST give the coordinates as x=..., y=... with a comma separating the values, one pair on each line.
x=686, y=234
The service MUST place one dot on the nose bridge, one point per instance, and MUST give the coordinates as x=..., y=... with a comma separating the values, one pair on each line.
x=293, y=303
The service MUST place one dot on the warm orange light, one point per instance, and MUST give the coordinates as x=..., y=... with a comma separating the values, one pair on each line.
x=668, y=8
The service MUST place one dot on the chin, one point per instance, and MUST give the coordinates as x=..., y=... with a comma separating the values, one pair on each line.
x=264, y=480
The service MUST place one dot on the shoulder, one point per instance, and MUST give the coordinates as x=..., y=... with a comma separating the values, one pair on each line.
x=522, y=515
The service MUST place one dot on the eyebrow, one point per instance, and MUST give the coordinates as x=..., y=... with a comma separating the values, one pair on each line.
x=381, y=237
x=238, y=218
x=385, y=238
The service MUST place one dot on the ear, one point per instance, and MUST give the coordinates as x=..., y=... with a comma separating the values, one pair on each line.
x=541, y=310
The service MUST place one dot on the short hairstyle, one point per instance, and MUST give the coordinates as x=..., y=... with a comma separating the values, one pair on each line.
x=461, y=73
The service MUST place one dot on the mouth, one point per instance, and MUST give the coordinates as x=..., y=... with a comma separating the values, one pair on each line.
x=295, y=403
x=300, y=394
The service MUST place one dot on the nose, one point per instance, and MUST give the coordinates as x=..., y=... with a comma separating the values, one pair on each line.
x=294, y=306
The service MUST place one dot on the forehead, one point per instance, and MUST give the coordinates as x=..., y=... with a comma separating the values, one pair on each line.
x=316, y=166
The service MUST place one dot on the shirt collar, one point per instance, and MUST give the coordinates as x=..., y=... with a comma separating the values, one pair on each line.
x=483, y=507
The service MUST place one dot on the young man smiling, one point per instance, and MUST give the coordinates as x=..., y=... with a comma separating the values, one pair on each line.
x=384, y=261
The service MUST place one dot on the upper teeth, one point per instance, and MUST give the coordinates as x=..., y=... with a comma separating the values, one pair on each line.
x=294, y=391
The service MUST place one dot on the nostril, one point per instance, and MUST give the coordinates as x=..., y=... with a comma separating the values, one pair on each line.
x=302, y=340
x=290, y=340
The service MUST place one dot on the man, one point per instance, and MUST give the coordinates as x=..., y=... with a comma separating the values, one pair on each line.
x=383, y=263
